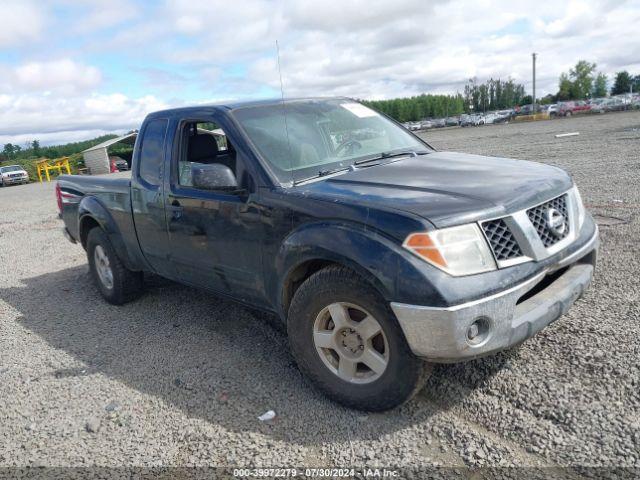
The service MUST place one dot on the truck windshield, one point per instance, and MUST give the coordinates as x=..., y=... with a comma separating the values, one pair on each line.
x=306, y=138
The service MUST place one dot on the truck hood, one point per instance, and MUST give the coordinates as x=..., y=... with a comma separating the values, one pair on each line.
x=446, y=188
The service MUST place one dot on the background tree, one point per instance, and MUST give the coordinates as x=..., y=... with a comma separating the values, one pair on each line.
x=565, y=87
x=582, y=78
x=419, y=107
x=495, y=94
x=600, y=85
x=35, y=147
x=622, y=83
x=8, y=150
x=578, y=83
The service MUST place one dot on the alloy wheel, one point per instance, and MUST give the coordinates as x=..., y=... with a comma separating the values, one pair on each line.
x=351, y=342
x=103, y=267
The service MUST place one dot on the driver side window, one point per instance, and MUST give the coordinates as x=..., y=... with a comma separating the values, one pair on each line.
x=205, y=147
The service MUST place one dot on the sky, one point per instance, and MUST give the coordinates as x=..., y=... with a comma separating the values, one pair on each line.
x=74, y=69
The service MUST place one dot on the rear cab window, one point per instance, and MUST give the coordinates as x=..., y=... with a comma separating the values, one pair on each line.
x=150, y=166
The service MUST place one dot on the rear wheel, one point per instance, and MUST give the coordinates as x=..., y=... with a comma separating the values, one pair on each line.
x=348, y=342
x=115, y=282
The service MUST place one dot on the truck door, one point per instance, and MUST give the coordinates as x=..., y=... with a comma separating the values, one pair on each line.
x=215, y=236
x=147, y=196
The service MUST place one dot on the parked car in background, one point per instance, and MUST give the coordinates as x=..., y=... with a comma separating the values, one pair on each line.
x=613, y=104
x=452, y=121
x=478, y=119
x=465, y=120
x=439, y=123
x=508, y=114
x=12, y=175
x=552, y=110
x=524, y=110
x=504, y=116
x=426, y=124
x=490, y=118
x=567, y=109
x=120, y=164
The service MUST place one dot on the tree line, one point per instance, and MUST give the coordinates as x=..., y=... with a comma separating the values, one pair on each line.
x=34, y=150
x=495, y=94
x=582, y=82
x=579, y=83
x=419, y=107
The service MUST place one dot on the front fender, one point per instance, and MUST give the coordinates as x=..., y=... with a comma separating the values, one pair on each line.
x=91, y=209
x=377, y=258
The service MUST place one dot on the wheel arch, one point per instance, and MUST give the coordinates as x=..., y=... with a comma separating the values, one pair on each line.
x=313, y=248
x=87, y=223
x=91, y=214
x=301, y=272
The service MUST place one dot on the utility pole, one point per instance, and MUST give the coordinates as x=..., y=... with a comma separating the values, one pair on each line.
x=533, y=106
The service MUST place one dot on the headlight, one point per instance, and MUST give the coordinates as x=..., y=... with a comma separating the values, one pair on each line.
x=580, y=205
x=458, y=251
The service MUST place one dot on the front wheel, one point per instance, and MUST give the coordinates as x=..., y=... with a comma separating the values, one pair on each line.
x=115, y=282
x=346, y=339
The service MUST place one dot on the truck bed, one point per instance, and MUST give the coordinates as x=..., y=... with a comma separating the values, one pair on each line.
x=85, y=184
x=112, y=191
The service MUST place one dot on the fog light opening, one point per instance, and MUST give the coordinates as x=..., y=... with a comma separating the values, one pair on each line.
x=478, y=331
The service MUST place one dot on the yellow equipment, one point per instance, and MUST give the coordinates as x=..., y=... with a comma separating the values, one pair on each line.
x=58, y=164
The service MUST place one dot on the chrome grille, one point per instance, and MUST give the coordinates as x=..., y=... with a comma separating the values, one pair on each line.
x=501, y=239
x=538, y=217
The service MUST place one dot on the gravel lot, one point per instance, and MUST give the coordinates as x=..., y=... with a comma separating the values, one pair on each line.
x=180, y=377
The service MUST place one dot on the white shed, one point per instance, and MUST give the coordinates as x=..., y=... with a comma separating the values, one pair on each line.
x=96, y=158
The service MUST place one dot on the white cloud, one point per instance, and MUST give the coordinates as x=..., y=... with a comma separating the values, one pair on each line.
x=63, y=76
x=40, y=115
x=22, y=21
x=222, y=49
x=56, y=138
x=103, y=15
x=384, y=49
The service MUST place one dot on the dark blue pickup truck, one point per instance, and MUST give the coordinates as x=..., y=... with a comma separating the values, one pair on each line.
x=380, y=254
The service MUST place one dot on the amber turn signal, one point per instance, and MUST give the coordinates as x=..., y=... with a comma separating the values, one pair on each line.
x=422, y=245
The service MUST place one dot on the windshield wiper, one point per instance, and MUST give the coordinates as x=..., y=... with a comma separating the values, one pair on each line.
x=385, y=155
x=324, y=173
x=382, y=156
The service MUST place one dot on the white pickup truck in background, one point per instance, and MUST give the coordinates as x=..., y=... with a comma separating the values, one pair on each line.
x=12, y=174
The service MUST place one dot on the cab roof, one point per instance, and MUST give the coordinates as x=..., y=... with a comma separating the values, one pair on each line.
x=232, y=105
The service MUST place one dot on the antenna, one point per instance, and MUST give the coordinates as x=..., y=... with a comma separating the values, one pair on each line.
x=284, y=111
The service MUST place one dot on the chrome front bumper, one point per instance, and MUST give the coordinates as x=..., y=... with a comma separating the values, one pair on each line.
x=491, y=324
x=13, y=181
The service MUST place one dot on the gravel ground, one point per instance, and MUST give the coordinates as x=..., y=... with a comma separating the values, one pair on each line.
x=179, y=377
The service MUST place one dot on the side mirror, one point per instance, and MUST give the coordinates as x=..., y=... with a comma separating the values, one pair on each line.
x=213, y=176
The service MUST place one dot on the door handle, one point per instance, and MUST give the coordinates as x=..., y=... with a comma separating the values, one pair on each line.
x=175, y=208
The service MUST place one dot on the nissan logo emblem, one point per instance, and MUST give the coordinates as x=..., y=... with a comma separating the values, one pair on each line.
x=556, y=222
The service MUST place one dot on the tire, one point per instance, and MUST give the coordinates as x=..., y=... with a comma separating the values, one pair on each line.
x=403, y=374
x=568, y=114
x=125, y=285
